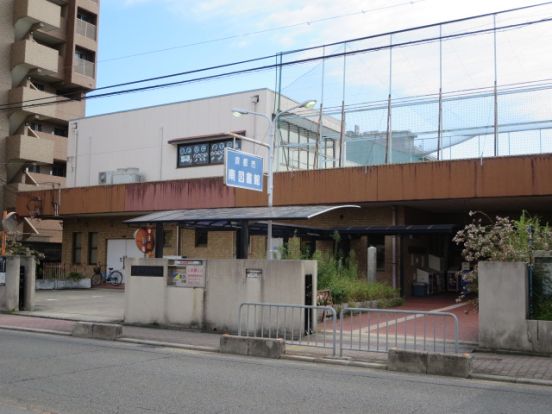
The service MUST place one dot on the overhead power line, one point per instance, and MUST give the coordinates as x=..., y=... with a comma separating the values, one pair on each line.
x=64, y=98
x=271, y=29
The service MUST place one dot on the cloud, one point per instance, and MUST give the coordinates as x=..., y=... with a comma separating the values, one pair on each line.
x=468, y=63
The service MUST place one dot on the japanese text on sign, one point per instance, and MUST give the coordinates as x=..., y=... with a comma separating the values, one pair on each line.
x=243, y=170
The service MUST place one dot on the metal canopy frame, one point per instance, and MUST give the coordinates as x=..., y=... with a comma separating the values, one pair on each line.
x=256, y=218
x=238, y=214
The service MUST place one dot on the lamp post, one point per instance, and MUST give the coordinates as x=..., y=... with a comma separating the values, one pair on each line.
x=272, y=125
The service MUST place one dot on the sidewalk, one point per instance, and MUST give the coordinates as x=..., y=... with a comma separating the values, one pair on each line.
x=505, y=367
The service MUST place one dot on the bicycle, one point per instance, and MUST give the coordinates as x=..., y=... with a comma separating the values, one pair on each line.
x=113, y=277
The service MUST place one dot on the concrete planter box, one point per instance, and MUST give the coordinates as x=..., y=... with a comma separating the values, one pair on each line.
x=47, y=284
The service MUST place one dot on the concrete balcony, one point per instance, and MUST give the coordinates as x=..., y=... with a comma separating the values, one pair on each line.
x=48, y=181
x=30, y=149
x=33, y=55
x=60, y=145
x=27, y=13
x=90, y=5
x=57, y=107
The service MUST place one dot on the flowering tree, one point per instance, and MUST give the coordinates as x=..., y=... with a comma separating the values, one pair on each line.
x=501, y=239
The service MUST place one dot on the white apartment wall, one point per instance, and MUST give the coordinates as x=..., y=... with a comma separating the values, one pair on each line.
x=139, y=138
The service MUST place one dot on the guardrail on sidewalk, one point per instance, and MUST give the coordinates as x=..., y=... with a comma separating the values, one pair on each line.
x=296, y=324
x=377, y=330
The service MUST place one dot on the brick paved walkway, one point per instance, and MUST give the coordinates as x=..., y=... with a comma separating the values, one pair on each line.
x=28, y=322
x=514, y=366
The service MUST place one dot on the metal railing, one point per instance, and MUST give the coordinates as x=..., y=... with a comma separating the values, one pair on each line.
x=297, y=324
x=377, y=330
x=53, y=271
x=86, y=29
x=84, y=67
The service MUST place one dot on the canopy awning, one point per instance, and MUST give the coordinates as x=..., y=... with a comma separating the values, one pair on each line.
x=220, y=215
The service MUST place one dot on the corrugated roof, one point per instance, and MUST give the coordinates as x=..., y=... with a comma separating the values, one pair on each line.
x=245, y=213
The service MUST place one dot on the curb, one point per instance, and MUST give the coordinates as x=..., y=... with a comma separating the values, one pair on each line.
x=513, y=380
x=169, y=344
x=35, y=330
x=334, y=361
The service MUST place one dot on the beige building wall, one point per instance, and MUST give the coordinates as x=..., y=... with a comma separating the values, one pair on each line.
x=6, y=40
x=38, y=39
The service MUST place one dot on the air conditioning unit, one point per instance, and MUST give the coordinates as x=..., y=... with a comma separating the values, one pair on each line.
x=105, y=177
x=127, y=176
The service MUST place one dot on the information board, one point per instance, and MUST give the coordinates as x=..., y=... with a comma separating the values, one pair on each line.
x=187, y=273
x=243, y=170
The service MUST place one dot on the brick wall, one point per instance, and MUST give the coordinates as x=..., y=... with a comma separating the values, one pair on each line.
x=106, y=229
x=220, y=245
x=257, y=247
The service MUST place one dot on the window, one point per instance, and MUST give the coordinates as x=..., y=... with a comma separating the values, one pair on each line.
x=84, y=54
x=93, y=248
x=34, y=168
x=59, y=169
x=60, y=131
x=35, y=126
x=86, y=16
x=201, y=238
x=203, y=153
x=77, y=248
x=86, y=24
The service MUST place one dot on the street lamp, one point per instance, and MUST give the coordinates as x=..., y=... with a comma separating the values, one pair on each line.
x=272, y=125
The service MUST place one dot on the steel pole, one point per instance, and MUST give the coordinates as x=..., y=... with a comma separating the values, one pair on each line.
x=271, y=135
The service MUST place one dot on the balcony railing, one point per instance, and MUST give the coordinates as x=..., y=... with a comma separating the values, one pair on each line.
x=86, y=29
x=84, y=67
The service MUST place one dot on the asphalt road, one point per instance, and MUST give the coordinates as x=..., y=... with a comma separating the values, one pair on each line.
x=55, y=374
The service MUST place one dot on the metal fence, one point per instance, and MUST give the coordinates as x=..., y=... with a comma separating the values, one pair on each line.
x=297, y=324
x=360, y=329
x=59, y=271
x=53, y=271
x=454, y=90
x=377, y=330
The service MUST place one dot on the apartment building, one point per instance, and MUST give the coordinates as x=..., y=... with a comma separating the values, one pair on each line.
x=47, y=63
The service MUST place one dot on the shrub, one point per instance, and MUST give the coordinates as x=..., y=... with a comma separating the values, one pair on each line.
x=74, y=276
x=503, y=239
x=340, y=277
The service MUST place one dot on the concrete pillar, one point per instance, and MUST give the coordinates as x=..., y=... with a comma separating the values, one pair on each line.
x=372, y=264
x=30, y=280
x=503, y=305
x=11, y=297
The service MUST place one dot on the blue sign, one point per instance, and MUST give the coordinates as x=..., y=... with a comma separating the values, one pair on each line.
x=243, y=170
